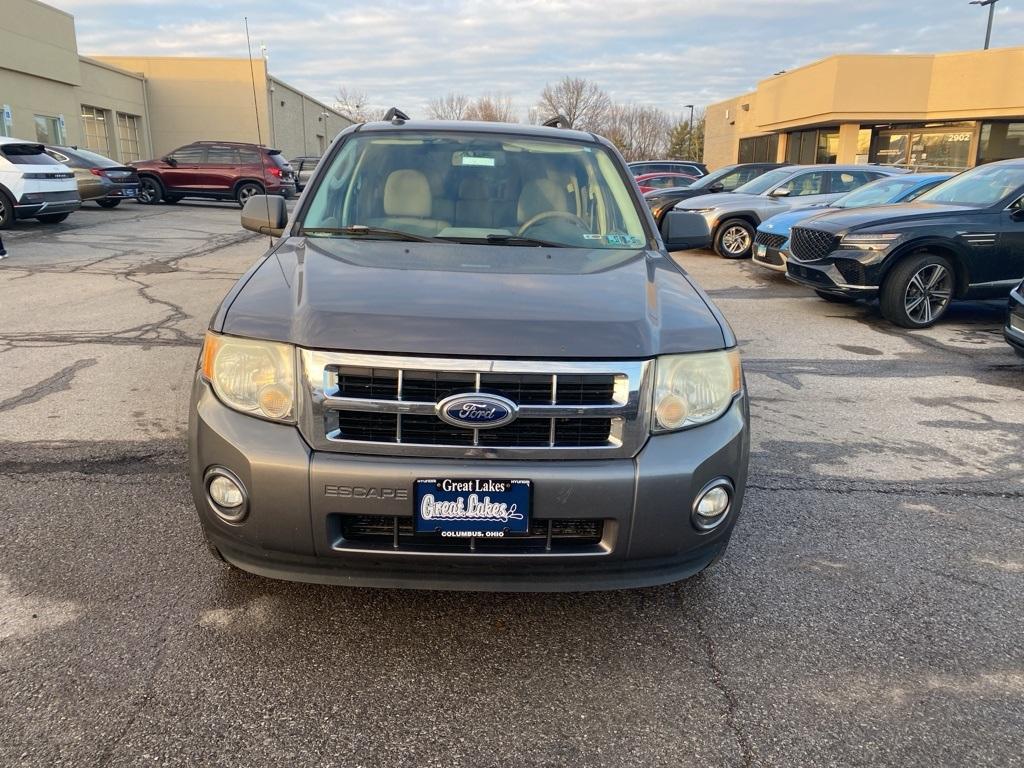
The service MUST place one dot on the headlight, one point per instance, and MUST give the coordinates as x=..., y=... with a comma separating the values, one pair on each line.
x=868, y=241
x=254, y=377
x=695, y=389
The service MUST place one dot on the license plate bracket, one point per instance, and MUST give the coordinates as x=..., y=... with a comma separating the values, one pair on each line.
x=472, y=507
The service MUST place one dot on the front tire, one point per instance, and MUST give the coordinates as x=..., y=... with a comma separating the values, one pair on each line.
x=52, y=218
x=245, y=191
x=734, y=239
x=151, y=191
x=108, y=203
x=918, y=291
x=836, y=298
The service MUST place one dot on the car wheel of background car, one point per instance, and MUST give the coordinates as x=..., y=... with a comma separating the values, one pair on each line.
x=247, y=190
x=917, y=291
x=150, y=190
x=836, y=298
x=52, y=218
x=733, y=239
x=108, y=203
x=6, y=211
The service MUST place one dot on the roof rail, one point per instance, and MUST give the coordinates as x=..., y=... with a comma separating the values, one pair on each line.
x=558, y=121
x=395, y=115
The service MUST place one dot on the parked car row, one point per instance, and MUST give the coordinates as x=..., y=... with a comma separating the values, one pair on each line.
x=914, y=242
x=48, y=183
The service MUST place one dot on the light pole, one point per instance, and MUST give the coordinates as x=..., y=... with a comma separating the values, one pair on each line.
x=689, y=136
x=991, y=12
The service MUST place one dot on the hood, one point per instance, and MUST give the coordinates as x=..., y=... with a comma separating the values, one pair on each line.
x=471, y=300
x=781, y=223
x=844, y=220
x=721, y=198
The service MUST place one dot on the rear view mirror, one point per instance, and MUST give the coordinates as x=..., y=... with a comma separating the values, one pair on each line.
x=780, y=192
x=682, y=230
x=265, y=214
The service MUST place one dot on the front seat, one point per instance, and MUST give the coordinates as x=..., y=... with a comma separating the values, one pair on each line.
x=541, y=196
x=408, y=204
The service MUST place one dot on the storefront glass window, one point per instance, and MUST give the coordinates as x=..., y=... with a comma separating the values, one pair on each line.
x=809, y=147
x=1000, y=141
x=759, y=149
x=128, y=137
x=49, y=129
x=94, y=126
x=923, y=150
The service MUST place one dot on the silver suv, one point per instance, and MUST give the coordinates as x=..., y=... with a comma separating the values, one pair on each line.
x=733, y=217
x=468, y=363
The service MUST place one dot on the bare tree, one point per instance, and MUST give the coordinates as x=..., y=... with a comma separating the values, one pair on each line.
x=580, y=101
x=639, y=132
x=355, y=105
x=454, y=106
x=492, y=108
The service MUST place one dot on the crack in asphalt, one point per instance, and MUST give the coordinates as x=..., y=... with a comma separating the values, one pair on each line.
x=731, y=699
x=58, y=382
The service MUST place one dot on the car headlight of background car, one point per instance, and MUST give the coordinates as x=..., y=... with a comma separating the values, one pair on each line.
x=694, y=389
x=251, y=376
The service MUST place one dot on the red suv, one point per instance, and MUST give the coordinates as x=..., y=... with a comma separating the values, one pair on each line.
x=221, y=170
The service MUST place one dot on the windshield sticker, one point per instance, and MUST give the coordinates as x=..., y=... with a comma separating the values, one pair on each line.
x=487, y=161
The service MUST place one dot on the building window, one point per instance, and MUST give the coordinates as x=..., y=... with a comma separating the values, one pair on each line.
x=49, y=130
x=94, y=126
x=759, y=149
x=928, y=148
x=809, y=147
x=128, y=137
x=1000, y=141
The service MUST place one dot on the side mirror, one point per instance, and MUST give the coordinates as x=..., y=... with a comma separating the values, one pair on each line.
x=265, y=214
x=1018, y=214
x=682, y=230
x=717, y=187
x=170, y=161
x=780, y=192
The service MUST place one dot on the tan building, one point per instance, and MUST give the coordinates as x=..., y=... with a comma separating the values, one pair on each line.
x=946, y=111
x=134, y=108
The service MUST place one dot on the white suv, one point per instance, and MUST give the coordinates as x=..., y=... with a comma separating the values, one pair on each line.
x=34, y=185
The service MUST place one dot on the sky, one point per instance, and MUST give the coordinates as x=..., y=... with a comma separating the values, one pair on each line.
x=665, y=54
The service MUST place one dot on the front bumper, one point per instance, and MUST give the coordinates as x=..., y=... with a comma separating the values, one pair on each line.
x=771, y=258
x=291, y=531
x=1013, y=331
x=826, y=275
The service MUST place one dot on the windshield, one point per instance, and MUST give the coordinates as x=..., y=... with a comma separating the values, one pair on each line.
x=877, y=192
x=469, y=187
x=980, y=187
x=765, y=182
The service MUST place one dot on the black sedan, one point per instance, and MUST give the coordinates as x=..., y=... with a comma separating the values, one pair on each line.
x=724, y=179
x=1014, y=330
x=100, y=179
x=964, y=239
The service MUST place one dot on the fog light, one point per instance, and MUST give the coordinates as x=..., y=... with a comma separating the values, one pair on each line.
x=712, y=505
x=226, y=495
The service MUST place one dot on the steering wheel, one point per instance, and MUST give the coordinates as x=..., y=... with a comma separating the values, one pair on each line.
x=542, y=217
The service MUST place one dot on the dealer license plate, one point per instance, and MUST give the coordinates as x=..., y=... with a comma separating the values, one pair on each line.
x=761, y=250
x=473, y=507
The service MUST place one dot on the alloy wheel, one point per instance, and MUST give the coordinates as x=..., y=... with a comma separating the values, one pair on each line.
x=147, y=191
x=928, y=293
x=735, y=240
x=247, y=191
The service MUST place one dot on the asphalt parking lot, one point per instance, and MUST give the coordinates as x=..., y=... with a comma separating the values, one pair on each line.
x=868, y=613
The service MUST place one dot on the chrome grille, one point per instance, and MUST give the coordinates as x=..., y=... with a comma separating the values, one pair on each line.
x=811, y=244
x=769, y=240
x=382, y=404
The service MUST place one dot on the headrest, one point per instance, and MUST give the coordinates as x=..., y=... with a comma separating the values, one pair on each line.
x=540, y=196
x=407, y=193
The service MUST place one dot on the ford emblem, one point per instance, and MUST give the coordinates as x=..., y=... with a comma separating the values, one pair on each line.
x=477, y=410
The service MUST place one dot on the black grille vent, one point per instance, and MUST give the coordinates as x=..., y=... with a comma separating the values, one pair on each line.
x=769, y=240
x=852, y=271
x=544, y=535
x=811, y=244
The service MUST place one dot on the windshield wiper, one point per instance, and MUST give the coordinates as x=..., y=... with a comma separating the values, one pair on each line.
x=520, y=240
x=370, y=233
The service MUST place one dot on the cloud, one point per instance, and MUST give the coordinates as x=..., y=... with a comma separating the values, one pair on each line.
x=406, y=51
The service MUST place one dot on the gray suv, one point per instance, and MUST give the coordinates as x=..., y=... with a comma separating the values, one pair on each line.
x=734, y=217
x=468, y=363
